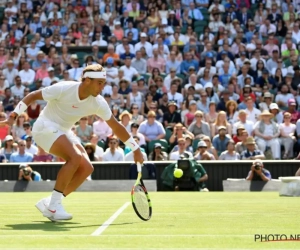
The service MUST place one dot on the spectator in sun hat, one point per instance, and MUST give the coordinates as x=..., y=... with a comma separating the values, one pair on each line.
x=277, y=114
x=171, y=117
x=252, y=152
x=267, y=99
x=202, y=153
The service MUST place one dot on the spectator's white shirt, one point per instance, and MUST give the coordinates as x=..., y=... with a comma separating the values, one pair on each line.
x=99, y=43
x=182, y=38
x=167, y=82
x=10, y=75
x=212, y=71
x=129, y=72
x=15, y=91
x=47, y=81
x=32, y=52
x=12, y=9
x=120, y=49
x=167, y=30
x=197, y=86
x=101, y=129
x=253, y=115
x=253, y=62
x=112, y=71
x=129, y=156
x=5, y=85
x=75, y=73
x=51, y=15
x=210, y=37
x=166, y=49
x=220, y=63
x=296, y=36
x=141, y=137
x=176, y=156
x=214, y=26
x=283, y=70
x=248, y=127
x=32, y=150
x=27, y=76
x=178, y=98
x=117, y=156
x=99, y=152
x=220, y=7
x=146, y=45
x=284, y=98
x=264, y=30
x=107, y=90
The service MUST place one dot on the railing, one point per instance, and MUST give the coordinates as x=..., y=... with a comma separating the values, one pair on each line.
x=217, y=171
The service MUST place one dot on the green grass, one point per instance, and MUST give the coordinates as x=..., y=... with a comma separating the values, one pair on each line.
x=180, y=221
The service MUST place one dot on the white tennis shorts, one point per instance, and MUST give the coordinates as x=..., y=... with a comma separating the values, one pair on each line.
x=45, y=133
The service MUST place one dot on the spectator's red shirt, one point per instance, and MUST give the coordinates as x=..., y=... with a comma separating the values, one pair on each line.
x=4, y=132
x=295, y=116
x=79, y=8
x=252, y=96
x=235, y=139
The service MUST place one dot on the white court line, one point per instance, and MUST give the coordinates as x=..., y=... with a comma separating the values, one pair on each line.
x=131, y=235
x=105, y=225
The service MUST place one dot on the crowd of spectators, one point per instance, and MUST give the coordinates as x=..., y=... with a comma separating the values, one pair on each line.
x=207, y=79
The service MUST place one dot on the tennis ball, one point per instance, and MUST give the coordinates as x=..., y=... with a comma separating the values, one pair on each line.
x=178, y=173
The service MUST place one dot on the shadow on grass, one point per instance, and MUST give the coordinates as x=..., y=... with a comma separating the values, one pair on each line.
x=55, y=226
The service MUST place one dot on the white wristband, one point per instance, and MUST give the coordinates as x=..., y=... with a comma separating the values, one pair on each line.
x=131, y=143
x=20, y=108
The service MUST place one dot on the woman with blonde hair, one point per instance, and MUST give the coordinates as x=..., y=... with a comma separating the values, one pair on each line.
x=231, y=111
x=221, y=121
x=210, y=147
x=17, y=129
x=287, y=135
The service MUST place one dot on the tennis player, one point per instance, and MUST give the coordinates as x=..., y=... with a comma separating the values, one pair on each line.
x=67, y=102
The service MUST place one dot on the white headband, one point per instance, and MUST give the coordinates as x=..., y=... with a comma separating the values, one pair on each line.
x=93, y=74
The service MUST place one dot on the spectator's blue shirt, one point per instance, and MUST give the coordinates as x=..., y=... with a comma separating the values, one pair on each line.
x=186, y=2
x=220, y=145
x=34, y=26
x=186, y=64
x=36, y=64
x=188, y=46
x=201, y=2
x=176, y=65
x=195, y=14
x=167, y=42
x=135, y=33
x=63, y=30
x=242, y=105
x=151, y=130
x=123, y=56
x=16, y=157
x=224, y=79
x=2, y=158
x=39, y=44
x=229, y=54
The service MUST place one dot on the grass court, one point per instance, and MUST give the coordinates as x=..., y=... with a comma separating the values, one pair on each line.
x=180, y=221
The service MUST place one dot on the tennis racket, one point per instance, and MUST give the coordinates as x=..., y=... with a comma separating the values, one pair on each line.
x=140, y=198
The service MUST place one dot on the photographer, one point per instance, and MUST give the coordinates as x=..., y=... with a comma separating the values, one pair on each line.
x=27, y=174
x=258, y=172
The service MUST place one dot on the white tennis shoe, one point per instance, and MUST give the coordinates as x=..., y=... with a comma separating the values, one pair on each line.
x=40, y=205
x=57, y=213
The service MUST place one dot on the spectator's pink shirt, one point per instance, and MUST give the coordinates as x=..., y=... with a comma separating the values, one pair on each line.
x=2, y=60
x=77, y=35
x=158, y=63
x=41, y=74
x=129, y=7
x=119, y=34
x=270, y=48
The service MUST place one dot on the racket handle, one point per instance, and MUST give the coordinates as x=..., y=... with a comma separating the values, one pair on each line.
x=139, y=167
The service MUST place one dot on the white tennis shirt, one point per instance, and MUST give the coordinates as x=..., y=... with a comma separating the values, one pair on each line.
x=65, y=108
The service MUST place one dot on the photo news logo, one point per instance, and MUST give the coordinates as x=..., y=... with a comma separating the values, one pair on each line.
x=276, y=237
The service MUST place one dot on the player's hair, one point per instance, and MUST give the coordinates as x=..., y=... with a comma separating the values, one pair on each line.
x=92, y=68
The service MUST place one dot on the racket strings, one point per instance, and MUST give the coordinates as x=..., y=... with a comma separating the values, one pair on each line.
x=141, y=202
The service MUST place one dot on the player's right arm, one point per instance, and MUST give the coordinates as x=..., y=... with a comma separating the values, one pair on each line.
x=49, y=93
x=23, y=105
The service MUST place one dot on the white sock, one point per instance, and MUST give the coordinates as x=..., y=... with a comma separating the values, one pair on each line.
x=56, y=197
